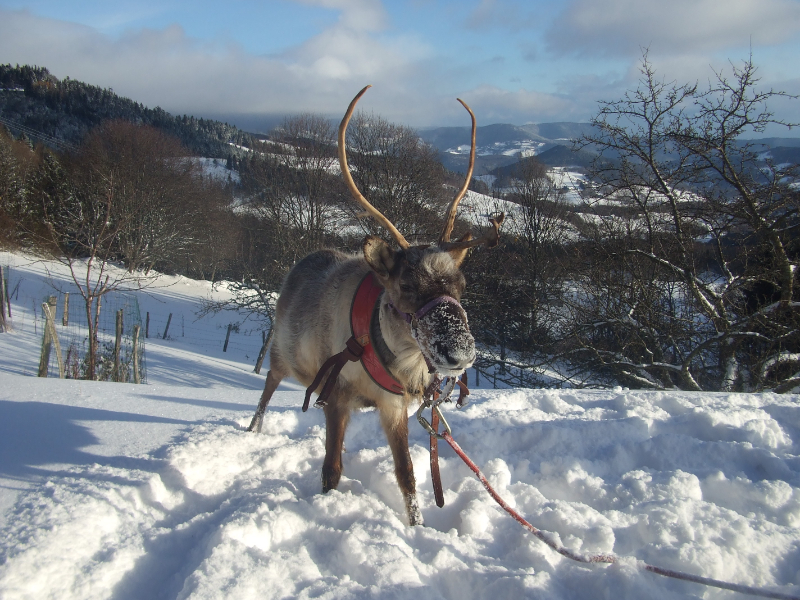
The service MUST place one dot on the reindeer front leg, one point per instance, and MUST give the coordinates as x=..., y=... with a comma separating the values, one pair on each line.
x=395, y=424
x=337, y=416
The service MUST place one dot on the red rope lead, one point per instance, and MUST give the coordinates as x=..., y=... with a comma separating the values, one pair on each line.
x=606, y=558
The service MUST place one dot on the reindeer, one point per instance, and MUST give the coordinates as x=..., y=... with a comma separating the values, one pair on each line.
x=410, y=328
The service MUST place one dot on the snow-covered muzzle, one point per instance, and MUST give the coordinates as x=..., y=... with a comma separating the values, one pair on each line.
x=441, y=331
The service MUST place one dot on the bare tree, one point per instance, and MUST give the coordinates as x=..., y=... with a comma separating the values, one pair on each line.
x=216, y=236
x=21, y=168
x=105, y=210
x=541, y=224
x=82, y=225
x=402, y=174
x=156, y=189
x=294, y=203
x=699, y=225
x=293, y=188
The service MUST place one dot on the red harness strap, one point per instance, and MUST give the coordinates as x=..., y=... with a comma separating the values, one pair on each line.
x=364, y=303
x=359, y=347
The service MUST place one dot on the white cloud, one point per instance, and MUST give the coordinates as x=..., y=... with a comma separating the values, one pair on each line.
x=167, y=68
x=358, y=15
x=414, y=82
x=497, y=105
x=683, y=26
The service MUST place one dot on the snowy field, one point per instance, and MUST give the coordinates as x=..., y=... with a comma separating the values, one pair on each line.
x=156, y=491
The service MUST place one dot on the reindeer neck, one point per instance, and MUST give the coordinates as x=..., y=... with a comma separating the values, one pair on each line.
x=404, y=357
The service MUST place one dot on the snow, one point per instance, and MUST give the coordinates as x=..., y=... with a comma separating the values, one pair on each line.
x=512, y=148
x=571, y=182
x=215, y=169
x=157, y=491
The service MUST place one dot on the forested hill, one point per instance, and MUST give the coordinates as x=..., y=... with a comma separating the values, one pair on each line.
x=65, y=110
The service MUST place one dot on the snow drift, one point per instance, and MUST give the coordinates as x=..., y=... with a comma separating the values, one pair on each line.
x=157, y=491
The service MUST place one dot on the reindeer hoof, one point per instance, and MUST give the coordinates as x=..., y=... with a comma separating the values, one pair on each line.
x=413, y=511
x=330, y=479
x=255, y=424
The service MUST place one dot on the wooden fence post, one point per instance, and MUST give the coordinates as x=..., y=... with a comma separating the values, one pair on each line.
x=227, y=337
x=8, y=295
x=65, y=317
x=117, y=346
x=166, y=329
x=49, y=339
x=44, y=357
x=136, y=376
x=147, y=326
x=7, y=278
x=3, y=324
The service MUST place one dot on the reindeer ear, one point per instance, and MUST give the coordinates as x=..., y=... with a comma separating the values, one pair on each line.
x=379, y=255
x=459, y=254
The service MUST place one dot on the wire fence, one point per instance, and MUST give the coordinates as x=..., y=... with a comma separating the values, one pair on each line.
x=239, y=337
x=120, y=351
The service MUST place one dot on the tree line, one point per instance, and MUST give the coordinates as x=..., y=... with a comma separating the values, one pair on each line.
x=677, y=270
x=66, y=110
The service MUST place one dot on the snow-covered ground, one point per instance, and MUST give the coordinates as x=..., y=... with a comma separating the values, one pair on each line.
x=512, y=148
x=571, y=182
x=215, y=168
x=157, y=491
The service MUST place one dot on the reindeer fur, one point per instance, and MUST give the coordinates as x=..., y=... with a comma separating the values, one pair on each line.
x=312, y=323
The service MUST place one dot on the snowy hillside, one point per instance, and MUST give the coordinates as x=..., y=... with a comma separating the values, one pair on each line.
x=156, y=491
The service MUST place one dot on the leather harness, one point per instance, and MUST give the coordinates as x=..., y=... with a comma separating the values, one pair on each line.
x=363, y=313
x=360, y=346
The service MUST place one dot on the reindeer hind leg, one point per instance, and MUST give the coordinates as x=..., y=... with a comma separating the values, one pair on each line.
x=273, y=380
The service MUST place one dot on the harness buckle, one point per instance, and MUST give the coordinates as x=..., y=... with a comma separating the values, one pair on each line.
x=433, y=398
x=428, y=427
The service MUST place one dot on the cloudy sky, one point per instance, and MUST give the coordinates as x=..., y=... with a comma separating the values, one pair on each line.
x=513, y=61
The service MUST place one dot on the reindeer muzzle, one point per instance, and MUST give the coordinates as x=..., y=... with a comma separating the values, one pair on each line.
x=442, y=333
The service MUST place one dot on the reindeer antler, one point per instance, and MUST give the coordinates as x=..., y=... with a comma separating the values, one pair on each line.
x=451, y=212
x=348, y=178
x=490, y=239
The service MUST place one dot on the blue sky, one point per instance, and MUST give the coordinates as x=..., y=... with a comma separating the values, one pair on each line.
x=513, y=61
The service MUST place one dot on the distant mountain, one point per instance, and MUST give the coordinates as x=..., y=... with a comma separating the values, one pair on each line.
x=777, y=142
x=61, y=112
x=559, y=131
x=502, y=144
x=565, y=156
x=33, y=101
x=785, y=154
x=499, y=146
x=557, y=156
x=778, y=150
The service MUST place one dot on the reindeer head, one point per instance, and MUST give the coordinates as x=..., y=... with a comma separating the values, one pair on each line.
x=424, y=283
